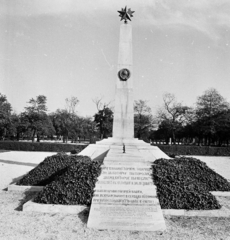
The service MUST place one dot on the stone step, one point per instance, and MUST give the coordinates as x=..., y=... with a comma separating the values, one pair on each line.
x=125, y=198
x=135, y=152
x=109, y=185
x=117, y=155
x=111, y=163
x=123, y=158
x=132, y=163
x=126, y=217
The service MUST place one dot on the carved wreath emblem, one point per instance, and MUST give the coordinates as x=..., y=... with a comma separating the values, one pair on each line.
x=124, y=74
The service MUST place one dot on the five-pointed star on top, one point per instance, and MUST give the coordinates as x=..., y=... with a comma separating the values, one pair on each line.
x=126, y=15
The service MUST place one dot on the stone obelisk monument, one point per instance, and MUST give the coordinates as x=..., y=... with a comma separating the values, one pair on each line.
x=123, y=124
x=125, y=196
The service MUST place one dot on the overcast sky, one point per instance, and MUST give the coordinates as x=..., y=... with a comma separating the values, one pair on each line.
x=64, y=48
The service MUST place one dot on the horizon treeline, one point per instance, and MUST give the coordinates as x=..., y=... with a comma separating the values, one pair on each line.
x=208, y=123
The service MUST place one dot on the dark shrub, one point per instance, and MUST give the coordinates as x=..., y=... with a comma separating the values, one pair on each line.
x=184, y=183
x=74, y=186
x=49, y=169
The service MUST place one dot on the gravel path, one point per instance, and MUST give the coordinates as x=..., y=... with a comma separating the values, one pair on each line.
x=18, y=225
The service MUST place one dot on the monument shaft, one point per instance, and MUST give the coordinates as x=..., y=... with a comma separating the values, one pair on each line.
x=123, y=124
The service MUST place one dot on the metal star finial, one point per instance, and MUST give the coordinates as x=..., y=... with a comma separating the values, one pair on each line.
x=126, y=15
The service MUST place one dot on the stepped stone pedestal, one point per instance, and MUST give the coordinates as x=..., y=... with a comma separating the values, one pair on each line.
x=125, y=197
x=99, y=150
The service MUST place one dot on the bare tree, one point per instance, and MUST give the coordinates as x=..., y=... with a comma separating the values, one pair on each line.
x=172, y=112
x=103, y=118
x=143, y=119
x=141, y=107
x=71, y=104
x=100, y=105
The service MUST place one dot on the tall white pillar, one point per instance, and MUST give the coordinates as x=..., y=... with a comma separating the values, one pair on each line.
x=123, y=123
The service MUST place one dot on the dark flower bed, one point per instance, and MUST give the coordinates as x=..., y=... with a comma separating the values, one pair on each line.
x=74, y=186
x=184, y=183
x=49, y=169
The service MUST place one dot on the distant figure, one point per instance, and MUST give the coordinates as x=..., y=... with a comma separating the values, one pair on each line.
x=123, y=148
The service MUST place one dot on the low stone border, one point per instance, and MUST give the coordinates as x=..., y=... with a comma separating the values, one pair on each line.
x=223, y=212
x=221, y=194
x=31, y=206
x=19, y=163
x=21, y=188
x=14, y=187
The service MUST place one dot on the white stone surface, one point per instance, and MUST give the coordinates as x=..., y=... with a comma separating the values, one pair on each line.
x=119, y=141
x=95, y=151
x=111, y=149
x=31, y=206
x=126, y=217
x=125, y=207
x=20, y=188
x=123, y=123
x=222, y=194
x=223, y=212
x=125, y=197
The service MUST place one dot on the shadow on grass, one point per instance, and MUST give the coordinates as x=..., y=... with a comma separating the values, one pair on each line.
x=27, y=196
x=84, y=215
x=14, y=180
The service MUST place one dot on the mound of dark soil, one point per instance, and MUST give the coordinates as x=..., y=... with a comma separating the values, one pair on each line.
x=74, y=186
x=49, y=169
x=184, y=183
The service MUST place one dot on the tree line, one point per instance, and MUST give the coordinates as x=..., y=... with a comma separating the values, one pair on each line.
x=35, y=123
x=208, y=123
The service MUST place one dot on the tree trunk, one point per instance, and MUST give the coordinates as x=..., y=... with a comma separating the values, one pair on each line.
x=18, y=136
x=173, y=137
x=33, y=136
x=38, y=138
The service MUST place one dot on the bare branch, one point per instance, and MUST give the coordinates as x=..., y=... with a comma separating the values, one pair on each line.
x=99, y=104
x=71, y=104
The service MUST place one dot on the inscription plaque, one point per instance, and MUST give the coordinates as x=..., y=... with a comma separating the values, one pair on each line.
x=125, y=198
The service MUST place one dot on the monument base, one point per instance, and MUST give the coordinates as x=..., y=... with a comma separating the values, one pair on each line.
x=125, y=196
x=99, y=150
